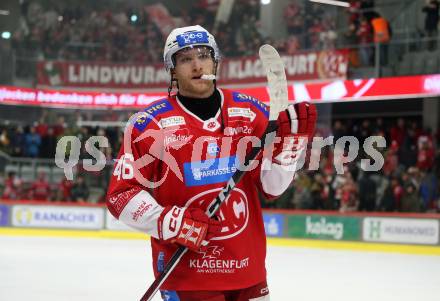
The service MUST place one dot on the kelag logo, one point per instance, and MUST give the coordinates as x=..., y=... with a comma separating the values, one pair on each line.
x=4, y=215
x=273, y=224
x=209, y=171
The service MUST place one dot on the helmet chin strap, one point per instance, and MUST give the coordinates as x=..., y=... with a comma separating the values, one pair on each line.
x=215, y=73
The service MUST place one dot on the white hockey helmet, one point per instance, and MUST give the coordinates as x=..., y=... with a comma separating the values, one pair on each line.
x=186, y=37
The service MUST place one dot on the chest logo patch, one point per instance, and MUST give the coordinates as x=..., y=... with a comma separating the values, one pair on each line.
x=211, y=125
x=233, y=214
x=172, y=121
x=241, y=112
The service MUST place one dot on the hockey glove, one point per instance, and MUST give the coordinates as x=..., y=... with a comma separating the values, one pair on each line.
x=189, y=227
x=295, y=126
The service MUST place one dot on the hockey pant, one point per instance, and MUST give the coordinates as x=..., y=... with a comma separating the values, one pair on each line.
x=258, y=292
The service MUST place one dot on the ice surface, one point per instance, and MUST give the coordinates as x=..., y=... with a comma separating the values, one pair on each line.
x=54, y=269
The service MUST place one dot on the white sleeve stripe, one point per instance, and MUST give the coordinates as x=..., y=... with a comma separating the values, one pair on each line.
x=293, y=119
x=142, y=213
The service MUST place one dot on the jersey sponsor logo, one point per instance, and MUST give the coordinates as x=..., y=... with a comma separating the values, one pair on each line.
x=233, y=213
x=140, y=211
x=209, y=171
x=241, y=112
x=211, y=263
x=213, y=148
x=150, y=112
x=172, y=121
x=119, y=201
x=238, y=130
x=212, y=252
x=190, y=38
x=240, y=97
x=176, y=138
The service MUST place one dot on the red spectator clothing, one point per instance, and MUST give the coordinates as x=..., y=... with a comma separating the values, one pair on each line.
x=292, y=45
x=40, y=190
x=397, y=134
x=424, y=138
x=66, y=188
x=58, y=130
x=12, y=189
x=425, y=158
x=41, y=129
x=354, y=8
x=398, y=193
x=314, y=32
x=228, y=263
x=365, y=33
x=291, y=10
x=391, y=163
x=290, y=13
x=348, y=193
x=210, y=5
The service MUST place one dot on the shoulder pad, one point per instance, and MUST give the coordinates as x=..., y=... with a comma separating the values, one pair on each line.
x=241, y=97
x=156, y=108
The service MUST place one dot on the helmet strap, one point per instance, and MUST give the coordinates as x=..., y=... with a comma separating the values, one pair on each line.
x=215, y=73
x=170, y=86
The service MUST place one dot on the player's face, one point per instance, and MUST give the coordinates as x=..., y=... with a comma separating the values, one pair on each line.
x=190, y=64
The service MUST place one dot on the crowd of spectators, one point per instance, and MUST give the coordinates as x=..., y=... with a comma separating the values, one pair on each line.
x=77, y=190
x=130, y=34
x=365, y=27
x=407, y=182
x=308, y=31
x=133, y=34
x=39, y=141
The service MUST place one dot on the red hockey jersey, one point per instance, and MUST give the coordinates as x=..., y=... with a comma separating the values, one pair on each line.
x=172, y=157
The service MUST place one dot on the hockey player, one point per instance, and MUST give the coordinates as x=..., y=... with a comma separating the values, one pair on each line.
x=179, y=154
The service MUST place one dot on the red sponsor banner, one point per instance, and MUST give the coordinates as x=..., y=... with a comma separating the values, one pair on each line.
x=80, y=75
x=330, y=91
x=311, y=65
x=368, y=89
x=245, y=70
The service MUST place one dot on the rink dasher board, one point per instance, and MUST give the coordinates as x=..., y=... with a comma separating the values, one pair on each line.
x=271, y=241
x=316, y=228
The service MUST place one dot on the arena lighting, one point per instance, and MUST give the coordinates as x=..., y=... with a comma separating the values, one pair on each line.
x=332, y=2
x=4, y=12
x=265, y=2
x=6, y=35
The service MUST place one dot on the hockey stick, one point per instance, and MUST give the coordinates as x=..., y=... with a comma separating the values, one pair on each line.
x=277, y=83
